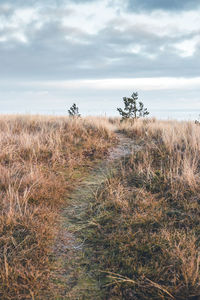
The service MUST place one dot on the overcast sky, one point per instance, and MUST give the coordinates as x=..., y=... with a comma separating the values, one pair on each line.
x=56, y=52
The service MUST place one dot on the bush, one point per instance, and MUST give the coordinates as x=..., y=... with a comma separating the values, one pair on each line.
x=133, y=109
x=74, y=111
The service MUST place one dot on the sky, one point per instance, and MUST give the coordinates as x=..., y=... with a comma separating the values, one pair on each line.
x=57, y=52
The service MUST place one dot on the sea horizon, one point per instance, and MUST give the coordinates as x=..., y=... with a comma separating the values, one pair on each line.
x=163, y=114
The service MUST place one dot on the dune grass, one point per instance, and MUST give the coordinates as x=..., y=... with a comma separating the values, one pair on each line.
x=144, y=229
x=143, y=221
x=40, y=158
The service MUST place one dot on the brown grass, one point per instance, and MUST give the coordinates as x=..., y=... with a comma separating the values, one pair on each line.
x=39, y=160
x=147, y=228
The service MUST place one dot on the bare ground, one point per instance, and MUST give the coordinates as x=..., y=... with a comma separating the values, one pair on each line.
x=73, y=275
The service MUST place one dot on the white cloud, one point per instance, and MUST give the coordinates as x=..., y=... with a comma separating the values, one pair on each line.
x=145, y=84
x=99, y=39
x=160, y=23
x=135, y=49
x=15, y=25
x=3, y=39
x=90, y=17
x=187, y=47
x=24, y=16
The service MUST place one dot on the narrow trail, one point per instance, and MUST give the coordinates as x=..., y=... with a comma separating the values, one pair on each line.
x=73, y=278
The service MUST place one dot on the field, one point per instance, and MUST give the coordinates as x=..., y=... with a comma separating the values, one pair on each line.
x=147, y=215
x=141, y=224
x=41, y=159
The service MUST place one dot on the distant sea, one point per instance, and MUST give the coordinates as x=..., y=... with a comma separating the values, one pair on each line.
x=176, y=114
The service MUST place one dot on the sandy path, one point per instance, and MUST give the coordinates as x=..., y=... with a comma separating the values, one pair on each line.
x=72, y=277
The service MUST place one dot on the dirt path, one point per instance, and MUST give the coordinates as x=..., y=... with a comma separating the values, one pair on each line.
x=73, y=276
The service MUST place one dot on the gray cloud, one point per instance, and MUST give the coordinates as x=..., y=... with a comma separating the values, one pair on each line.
x=135, y=5
x=50, y=55
x=58, y=51
x=171, y=5
x=21, y=3
x=45, y=43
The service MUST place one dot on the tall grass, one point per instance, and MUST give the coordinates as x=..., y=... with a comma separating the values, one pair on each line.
x=147, y=228
x=38, y=159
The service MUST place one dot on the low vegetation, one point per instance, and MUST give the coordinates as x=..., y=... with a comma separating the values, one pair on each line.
x=141, y=226
x=144, y=229
x=41, y=159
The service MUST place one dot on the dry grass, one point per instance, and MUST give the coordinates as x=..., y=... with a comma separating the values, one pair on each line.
x=39, y=159
x=147, y=228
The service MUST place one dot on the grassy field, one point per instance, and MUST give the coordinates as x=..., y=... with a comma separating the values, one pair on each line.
x=41, y=160
x=146, y=233
x=142, y=222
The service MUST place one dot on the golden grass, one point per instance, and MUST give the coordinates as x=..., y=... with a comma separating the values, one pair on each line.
x=147, y=215
x=38, y=159
x=177, y=141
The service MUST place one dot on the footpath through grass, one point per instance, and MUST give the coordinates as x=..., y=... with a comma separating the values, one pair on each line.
x=76, y=266
x=143, y=222
x=41, y=161
x=129, y=230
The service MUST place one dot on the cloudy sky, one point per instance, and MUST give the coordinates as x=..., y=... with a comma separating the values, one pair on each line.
x=94, y=52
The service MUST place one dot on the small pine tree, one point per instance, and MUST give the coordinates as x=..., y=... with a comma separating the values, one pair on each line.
x=133, y=109
x=74, y=111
